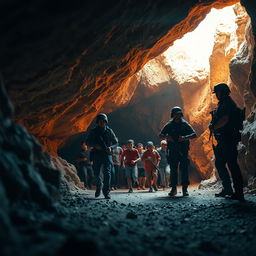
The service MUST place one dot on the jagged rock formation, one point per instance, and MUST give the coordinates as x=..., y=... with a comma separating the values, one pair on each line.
x=69, y=173
x=61, y=71
x=71, y=82
x=29, y=182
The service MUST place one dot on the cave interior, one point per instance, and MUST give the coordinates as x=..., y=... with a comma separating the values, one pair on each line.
x=62, y=63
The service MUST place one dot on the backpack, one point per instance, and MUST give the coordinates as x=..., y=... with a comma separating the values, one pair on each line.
x=238, y=117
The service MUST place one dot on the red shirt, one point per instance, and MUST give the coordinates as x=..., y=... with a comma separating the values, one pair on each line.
x=129, y=155
x=155, y=158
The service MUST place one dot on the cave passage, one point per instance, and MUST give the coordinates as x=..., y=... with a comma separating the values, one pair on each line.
x=63, y=62
x=183, y=75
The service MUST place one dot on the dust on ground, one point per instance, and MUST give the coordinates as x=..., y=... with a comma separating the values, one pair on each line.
x=143, y=223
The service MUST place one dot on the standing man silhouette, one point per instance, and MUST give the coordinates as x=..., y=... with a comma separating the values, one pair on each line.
x=226, y=124
x=102, y=139
x=178, y=132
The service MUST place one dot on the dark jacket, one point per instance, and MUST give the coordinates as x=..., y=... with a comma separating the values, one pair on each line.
x=230, y=131
x=102, y=137
x=175, y=130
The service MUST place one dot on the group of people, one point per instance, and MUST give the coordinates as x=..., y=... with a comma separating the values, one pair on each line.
x=144, y=166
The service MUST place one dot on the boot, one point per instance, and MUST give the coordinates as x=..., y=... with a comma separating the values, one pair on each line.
x=239, y=197
x=154, y=187
x=185, y=191
x=173, y=192
x=224, y=192
x=107, y=196
x=97, y=192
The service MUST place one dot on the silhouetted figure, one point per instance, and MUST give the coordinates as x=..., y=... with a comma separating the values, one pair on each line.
x=151, y=160
x=178, y=132
x=103, y=140
x=226, y=124
x=84, y=166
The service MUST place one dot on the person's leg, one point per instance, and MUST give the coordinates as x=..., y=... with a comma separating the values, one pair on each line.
x=112, y=177
x=235, y=170
x=162, y=176
x=86, y=177
x=220, y=164
x=108, y=166
x=97, y=163
x=154, y=179
x=81, y=174
x=158, y=182
x=184, y=173
x=117, y=167
x=149, y=180
x=134, y=173
x=139, y=183
x=144, y=180
x=129, y=177
x=90, y=176
x=174, y=163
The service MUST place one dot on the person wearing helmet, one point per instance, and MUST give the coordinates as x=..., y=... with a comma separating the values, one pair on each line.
x=178, y=132
x=226, y=125
x=102, y=139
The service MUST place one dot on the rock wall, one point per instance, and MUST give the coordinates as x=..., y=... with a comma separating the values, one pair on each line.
x=246, y=82
x=61, y=71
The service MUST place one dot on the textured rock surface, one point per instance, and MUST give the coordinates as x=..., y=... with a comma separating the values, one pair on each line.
x=69, y=173
x=179, y=226
x=28, y=182
x=61, y=71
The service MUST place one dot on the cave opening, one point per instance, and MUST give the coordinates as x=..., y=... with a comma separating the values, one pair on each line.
x=183, y=75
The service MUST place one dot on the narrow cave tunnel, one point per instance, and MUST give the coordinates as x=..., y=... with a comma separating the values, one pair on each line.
x=63, y=63
x=183, y=75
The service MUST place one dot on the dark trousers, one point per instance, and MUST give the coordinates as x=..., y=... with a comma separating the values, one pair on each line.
x=226, y=154
x=114, y=175
x=178, y=160
x=104, y=162
x=85, y=173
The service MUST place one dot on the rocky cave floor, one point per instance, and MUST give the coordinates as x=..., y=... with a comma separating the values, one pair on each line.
x=142, y=223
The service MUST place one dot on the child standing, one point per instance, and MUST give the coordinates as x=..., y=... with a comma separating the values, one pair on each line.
x=141, y=171
x=130, y=157
x=151, y=159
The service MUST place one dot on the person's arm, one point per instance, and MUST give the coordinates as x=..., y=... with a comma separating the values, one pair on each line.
x=138, y=157
x=191, y=134
x=220, y=123
x=114, y=140
x=122, y=159
x=92, y=142
x=164, y=134
x=158, y=158
x=81, y=159
x=143, y=157
x=120, y=155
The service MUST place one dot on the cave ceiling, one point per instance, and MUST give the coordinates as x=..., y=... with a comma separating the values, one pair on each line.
x=62, y=61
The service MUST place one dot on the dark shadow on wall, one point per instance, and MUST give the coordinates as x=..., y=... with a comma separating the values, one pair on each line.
x=71, y=148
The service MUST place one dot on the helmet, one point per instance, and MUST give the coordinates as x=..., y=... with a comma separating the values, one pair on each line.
x=102, y=116
x=150, y=143
x=176, y=110
x=221, y=88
